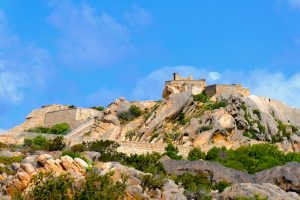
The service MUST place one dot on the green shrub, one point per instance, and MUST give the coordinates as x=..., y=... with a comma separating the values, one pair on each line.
x=6, y=160
x=202, y=97
x=193, y=182
x=99, y=187
x=71, y=106
x=135, y=111
x=129, y=115
x=56, y=144
x=106, y=148
x=221, y=186
x=196, y=154
x=277, y=138
x=149, y=181
x=182, y=119
x=59, y=129
x=148, y=163
x=252, y=158
x=39, y=142
x=171, y=136
x=78, y=148
x=172, y=152
x=48, y=186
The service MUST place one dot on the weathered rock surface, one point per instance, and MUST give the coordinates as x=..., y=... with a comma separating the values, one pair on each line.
x=65, y=164
x=287, y=177
x=216, y=171
x=266, y=190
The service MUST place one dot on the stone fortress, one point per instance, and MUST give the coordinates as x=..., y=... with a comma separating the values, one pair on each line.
x=180, y=84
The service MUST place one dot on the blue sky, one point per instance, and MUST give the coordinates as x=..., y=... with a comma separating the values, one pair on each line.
x=88, y=53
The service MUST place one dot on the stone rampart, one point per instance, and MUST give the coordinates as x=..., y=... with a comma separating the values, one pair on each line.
x=227, y=89
x=72, y=116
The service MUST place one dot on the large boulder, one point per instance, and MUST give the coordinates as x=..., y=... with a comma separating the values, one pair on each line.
x=215, y=171
x=249, y=190
x=168, y=109
x=287, y=177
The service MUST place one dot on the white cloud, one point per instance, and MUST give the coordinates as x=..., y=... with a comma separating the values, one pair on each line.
x=88, y=37
x=138, y=16
x=22, y=65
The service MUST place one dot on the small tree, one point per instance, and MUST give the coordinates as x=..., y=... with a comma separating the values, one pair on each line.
x=56, y=144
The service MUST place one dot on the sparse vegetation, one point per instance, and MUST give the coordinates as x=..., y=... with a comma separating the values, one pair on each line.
x=129, y=115
x=153, y=136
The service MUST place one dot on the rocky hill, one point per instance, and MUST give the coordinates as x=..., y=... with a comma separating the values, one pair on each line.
x=188, y=120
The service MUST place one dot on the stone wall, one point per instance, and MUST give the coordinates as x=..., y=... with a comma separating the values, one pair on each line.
x=36, y=118
x=178, y=86
x=73, y=116
x=227, y=89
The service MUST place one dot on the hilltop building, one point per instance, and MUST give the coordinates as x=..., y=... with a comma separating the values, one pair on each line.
x=180, y=84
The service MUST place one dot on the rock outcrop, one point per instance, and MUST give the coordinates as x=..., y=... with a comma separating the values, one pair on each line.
x=248, y=190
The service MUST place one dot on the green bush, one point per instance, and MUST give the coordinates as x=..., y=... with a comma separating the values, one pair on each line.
x=6, y=160
x=153, y=136
x=39, y=142
x=56, y=144
x=148, y=163
x=149, y=181
x=59, y=129
x=129, y=115
x=221, y=186
x=135, y=111
x=182, y=119
x=48, y=186
x=253, y=158
x=193, y=182
x=172, y=152
x=106, y=148
x=196, y=154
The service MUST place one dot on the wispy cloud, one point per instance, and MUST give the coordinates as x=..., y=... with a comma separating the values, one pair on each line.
x=92, y=38
x=138, y=16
